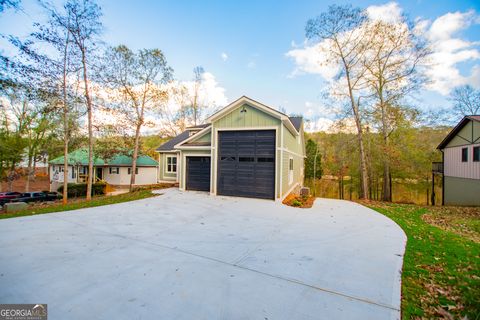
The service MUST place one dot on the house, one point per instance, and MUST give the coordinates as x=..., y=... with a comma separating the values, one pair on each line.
x=461, y=163
x=246, y=149
x=116, y=171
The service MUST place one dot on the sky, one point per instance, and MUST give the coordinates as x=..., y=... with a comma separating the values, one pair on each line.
x=258, y=48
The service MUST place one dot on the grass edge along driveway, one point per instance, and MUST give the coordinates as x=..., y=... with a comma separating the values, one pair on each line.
x=441, y=268
x=81, y=203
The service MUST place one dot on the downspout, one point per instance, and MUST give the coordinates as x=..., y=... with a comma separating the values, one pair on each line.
x=443, y=177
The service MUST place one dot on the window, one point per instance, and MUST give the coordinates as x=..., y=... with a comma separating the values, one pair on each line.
x=476, y=154
x=290, y=171
x=264, y=159
x=464, y=154
x=171, y=164
x=130, y=170
x=73, y=172
x=114, y=170
x=246, y=159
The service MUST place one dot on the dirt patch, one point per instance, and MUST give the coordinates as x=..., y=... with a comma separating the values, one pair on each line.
x=41, y=183
x=296, y=201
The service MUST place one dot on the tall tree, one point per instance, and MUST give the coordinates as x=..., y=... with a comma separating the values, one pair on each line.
x=196, y=103
x=344, y=48
x=313, y=161
x=394, y=55
x=82, y=21
x=136, y=81
x=466, y=100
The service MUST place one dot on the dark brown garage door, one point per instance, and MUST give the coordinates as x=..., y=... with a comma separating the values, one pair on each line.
x=246, y=163
x=198, y=173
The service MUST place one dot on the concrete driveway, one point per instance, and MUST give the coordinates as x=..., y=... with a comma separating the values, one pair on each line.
x=188, y=255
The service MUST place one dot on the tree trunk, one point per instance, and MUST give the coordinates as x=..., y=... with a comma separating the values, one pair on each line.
x=90, y=129
x=29, y=173
x=363, y=157
x=65, y=125
x=135, y=156
x=387, y=192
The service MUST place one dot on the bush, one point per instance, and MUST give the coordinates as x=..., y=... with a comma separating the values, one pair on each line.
x=296, y=203
x=80, y=189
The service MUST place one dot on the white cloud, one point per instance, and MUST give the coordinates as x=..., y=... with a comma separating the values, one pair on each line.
x=389, y=12
x=312, y=59
x=449, y=50
x=224, y=56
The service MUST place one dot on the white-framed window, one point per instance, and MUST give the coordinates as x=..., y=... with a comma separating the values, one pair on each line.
x=115, y=170
x=290, y=170
x=130, y=170
x=172, y=164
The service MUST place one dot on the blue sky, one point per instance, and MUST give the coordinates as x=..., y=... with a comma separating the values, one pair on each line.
x=255, y=36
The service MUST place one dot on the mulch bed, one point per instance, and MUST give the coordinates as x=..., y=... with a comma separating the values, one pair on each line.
x=297, y=201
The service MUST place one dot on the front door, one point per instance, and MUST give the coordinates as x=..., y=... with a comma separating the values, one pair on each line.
x=99, y=174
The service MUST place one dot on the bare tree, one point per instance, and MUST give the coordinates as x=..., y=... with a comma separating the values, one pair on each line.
x=83, y=23
x=197, y=83
x=136, y=80
x=466, y=100
x=344, y=47
x=394, y=55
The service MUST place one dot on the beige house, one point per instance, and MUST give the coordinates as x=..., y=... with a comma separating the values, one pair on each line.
x=246, y=149
x=461, y=163
x=117, y=171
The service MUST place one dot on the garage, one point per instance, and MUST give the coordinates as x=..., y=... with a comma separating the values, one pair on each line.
x=246, y=163
x=198, y=173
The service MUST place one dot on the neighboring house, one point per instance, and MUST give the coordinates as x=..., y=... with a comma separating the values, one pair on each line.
x=246, y=149
x=461, y=163
x=116, y=171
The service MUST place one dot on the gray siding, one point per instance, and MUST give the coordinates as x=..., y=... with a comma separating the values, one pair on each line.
x=461, y=191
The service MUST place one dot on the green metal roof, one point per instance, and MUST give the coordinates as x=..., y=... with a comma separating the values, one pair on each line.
x=80, y=157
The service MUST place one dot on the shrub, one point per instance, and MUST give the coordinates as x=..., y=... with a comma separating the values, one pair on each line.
x=80, y=189
x=296, y=203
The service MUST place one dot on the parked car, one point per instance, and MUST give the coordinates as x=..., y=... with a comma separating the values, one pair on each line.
x=7, y=196
x=37, y=197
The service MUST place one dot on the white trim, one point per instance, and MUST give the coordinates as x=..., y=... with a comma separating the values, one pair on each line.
x=184, y=167
x=247, y=100
x=198, y=134
x=268, y=110
x=290, y=170
x=248, y=128
x=281, y=160
x=290, y=190
x=194, y=148
x=166, y=151
x=294, y=153
x=166, y=164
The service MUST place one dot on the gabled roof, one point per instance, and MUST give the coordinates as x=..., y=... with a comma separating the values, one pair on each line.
x=186, y=142
x=170, y=144
x=246, y=100
x=457, y=129
x=297, y=122
x=80, y=157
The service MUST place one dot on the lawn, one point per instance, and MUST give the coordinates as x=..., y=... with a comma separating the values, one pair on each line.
x=80, y=203
x=441, y=269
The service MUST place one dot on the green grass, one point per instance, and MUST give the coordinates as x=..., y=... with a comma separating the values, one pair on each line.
x=80, y=203
x=441, y=270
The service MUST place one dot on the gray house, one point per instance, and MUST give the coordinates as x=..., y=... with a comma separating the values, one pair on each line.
x=246, y=149
x=461, y=163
